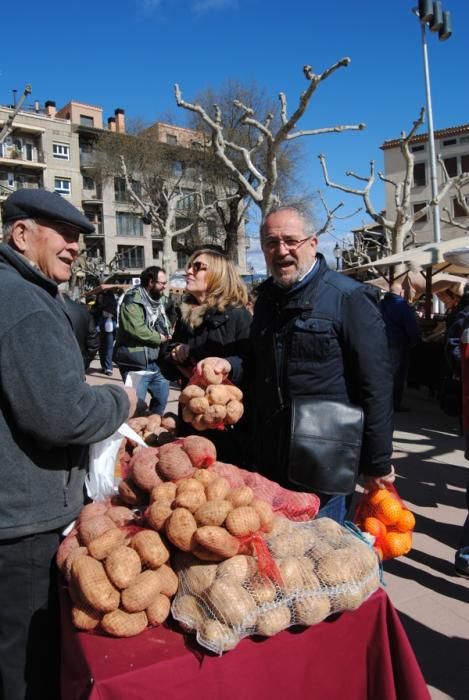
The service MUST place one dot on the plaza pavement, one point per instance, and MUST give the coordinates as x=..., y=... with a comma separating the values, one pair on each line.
x=432, y=601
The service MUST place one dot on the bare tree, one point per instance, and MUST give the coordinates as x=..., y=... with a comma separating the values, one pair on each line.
x=398, y=232
x=8, y=126
x=459, y=183
x=255, y=166
x=165, y=185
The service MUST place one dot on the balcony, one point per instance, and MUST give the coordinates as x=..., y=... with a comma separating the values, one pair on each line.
x=15, y=157
x=92, y=196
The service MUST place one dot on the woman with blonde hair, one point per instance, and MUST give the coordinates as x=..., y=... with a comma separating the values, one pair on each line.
x=213, y=322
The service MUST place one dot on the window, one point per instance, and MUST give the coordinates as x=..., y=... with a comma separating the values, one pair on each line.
x=464, y=139
x=157, y=249
x=61, y=150
x=458, y=210
x=197, y=145
x=62, y=185
x=85, y=120
x=188, y=202
x=171, y=138
x=88, y=183
x=465, y=164
x=417, y=207
x=131, y=256
x=416, y=149
x=451, y=165
x=420, y=179
x=182, y=260
x=450, y=142
x=120, y=189
x=178, y=168
x=128, y=224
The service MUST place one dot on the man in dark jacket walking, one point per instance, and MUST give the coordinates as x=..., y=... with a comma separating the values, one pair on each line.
x=319, y=334
x=48, y=417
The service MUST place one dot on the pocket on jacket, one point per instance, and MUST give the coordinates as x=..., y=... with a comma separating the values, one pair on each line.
x=312, y=338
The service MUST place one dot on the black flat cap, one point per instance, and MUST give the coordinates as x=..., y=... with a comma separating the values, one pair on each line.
x=42, y=204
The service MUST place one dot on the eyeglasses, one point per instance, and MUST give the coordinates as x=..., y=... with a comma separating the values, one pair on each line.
x=197, y=266
x=162, y=282
x=290, y=244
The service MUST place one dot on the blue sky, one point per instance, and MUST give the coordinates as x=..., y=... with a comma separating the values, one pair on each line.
x=129, y=54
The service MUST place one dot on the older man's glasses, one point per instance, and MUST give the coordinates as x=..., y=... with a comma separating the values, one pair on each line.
x=197, y=266
x=290, y=244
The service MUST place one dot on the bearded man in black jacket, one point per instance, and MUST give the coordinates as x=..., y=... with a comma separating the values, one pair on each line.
x=319, y=334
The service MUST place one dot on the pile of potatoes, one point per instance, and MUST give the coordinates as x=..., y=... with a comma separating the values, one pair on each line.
x=153, y=429
x=118, y=573
x=203, y=515
x=148, y=467
x=323, y=569
x=211, y=407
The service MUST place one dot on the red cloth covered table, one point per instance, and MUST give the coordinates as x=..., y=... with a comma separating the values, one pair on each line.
x=358, y=655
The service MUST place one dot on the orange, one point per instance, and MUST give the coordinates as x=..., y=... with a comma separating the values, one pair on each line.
x=375, y=497
x=374, y=527
x=388, y=510
x=397, y=543
x=406, y=521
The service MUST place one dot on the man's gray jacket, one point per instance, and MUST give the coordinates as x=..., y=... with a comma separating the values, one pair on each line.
x=49, y=415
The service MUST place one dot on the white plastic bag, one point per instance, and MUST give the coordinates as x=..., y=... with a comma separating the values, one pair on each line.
x=109, y=325
x=100, y=481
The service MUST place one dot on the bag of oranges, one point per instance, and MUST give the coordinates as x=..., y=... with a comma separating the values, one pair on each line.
x=383, y=514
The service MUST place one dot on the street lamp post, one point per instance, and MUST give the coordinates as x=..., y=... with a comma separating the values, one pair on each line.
x=431, y=14
x=337, y=250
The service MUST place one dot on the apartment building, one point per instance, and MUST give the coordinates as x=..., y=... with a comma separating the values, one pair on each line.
x=452, y=146
x=53, y=148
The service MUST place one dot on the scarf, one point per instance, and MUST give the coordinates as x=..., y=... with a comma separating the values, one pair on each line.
x=155, y=313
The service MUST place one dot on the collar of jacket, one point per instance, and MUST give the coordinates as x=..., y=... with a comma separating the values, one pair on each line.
x=26, y=269
x=299, y=296
x=194, y=315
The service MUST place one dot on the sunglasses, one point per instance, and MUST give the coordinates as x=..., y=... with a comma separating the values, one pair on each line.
x=197, y=266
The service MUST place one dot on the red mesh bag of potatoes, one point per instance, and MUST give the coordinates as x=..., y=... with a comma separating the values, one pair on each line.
x=383, y=514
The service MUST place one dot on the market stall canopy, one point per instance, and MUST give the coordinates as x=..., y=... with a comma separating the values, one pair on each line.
x=415, y=283
x=429, y=255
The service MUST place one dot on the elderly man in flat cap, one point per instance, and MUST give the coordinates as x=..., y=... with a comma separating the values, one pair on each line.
x=49, y=416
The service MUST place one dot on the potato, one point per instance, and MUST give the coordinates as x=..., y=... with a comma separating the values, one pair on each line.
x=169, y=421
x=131, y=494
x=212, y=512
x=180, y=528
x=123, y=565
x=93, y=584
x=157, y=515
x=217, y=540
x=198, y=422
x=123, y=624
x=241, y=496
x=238, y=568
x=214, y=415
x=154, y=421
x=231, y=603
x=273, y=621
x=150, y=548
x=205, y=554
x=189, y=392
x=67, y=565
x=158, y=610
x=190, y=499
x=174, y=463
x=200, y=450
x=91, y=510
x=66, y=546
x=186, y=414
x=208, y=372
x=310, y=610
x=296, y=573
x=242, y=521
x=265, y=513
x=218, y=394
x=281, y=525
x=205, y=476
x=94, y=527
x=141, y=592
x=234, y=411
x=188, y=612
x=138, y=424
x=169, y=582
x=218, y=637
x=263, y=590
x=102, y=546
x=198, y=576
x=335, y=568
x=287, y=544
x=84, y=617
x=120, y=515
x=327, y=529
x=199, y=404
x=346, y=599
x=142, y=468
x=164, y=492
x=234, y=391
x=190, y=484
x=217, y=489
